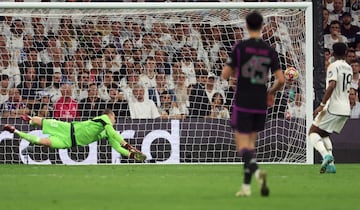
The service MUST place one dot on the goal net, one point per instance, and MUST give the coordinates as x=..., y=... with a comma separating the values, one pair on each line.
x=72, y=61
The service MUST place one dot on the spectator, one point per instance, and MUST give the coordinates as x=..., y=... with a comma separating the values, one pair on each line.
x=16, y=42
x=162, y=33
x=112, y=60
x=211, y=87
x=350, y=55
x=44, y=108
x=355, y=65
x=326, y=26
x=296, y=108
x=4, y=88
x=181, y=93
x=199, y=102
x=54, y=62
x=162, y=65
x=54, y=90
x=127, y=51
x=66, y=107
x=148, y=45
x=137, y=55
x=128, y=83
x=116, y=37
x=354, y=104
x=29, y=86
x=214, y=43
x=9, y=68
x=334, y=36
x=40, y=38
x=5, y=26
x=80, y=91
x=81, y=59
x=96, y=69
x=49, y=55
x=137, y=36
x=218, y=110
x=67, y=36
x=147, y=78
x=327, y=58
x=28, y=41
x=116, y=102
x=106, y=85
x=168, y=109
x=95, y=45
x=68, y=72
x=230, y=92
x=220, y=62
x=32, y=61
x=188, y=66
x=92, y=106
x=338, y=10
x=155, y=92
x=142, y=107
x=14, y=106
x=349, y=30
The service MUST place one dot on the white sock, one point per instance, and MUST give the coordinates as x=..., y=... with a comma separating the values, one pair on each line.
x=245, y=187
x=319, y=145
x=328, y=146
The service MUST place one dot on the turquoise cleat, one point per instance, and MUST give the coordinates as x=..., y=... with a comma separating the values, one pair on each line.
x=327, y=160
x=331, y=169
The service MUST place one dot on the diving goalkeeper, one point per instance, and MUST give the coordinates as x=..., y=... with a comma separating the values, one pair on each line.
x=69, y=134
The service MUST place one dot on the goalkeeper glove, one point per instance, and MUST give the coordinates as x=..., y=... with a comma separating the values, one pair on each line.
x=139, y=156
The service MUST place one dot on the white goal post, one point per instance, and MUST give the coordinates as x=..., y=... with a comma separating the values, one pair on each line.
x=211, y=27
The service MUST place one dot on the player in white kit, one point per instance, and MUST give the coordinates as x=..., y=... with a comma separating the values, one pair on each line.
x=334, y=108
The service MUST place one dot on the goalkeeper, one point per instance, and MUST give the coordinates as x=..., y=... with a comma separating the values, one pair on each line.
x=69, y=134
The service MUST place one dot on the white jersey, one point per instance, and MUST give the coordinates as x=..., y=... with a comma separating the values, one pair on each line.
x=341, y=72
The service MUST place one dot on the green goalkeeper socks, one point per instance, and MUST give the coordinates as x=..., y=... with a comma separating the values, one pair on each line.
x=31, y=138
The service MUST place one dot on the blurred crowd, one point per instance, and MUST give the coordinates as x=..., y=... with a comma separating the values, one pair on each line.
x=70, y=67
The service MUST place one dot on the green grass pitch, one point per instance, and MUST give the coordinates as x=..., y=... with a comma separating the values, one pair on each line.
x=172, y=187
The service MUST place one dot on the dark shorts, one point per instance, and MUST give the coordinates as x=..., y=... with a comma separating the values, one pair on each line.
x=247, y=122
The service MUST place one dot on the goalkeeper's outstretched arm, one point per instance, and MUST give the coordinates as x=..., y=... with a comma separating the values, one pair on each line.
x=121, y=146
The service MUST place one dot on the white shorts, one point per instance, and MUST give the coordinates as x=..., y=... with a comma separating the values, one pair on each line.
x=329, y=122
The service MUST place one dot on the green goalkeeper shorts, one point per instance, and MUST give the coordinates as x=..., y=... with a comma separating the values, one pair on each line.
x=59, y=133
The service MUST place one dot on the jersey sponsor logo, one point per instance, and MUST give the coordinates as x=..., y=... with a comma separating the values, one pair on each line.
x=330, y=74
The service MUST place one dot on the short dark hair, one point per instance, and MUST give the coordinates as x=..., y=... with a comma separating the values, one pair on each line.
x=254, y=21
x=339, y=49
x=4, y=77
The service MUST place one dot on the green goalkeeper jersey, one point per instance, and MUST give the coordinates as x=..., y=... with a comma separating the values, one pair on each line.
x=89, y=131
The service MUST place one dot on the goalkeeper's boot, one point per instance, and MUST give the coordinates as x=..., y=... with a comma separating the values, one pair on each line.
x=331, y=169
x=327, y=160
x=244, y=191
x=25, y=117
x=261, y=178
x=9, y=128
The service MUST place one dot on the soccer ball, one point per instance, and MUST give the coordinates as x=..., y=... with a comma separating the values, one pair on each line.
x=291, y=74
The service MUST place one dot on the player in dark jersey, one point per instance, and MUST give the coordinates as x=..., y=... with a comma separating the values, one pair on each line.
x=250, y=63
